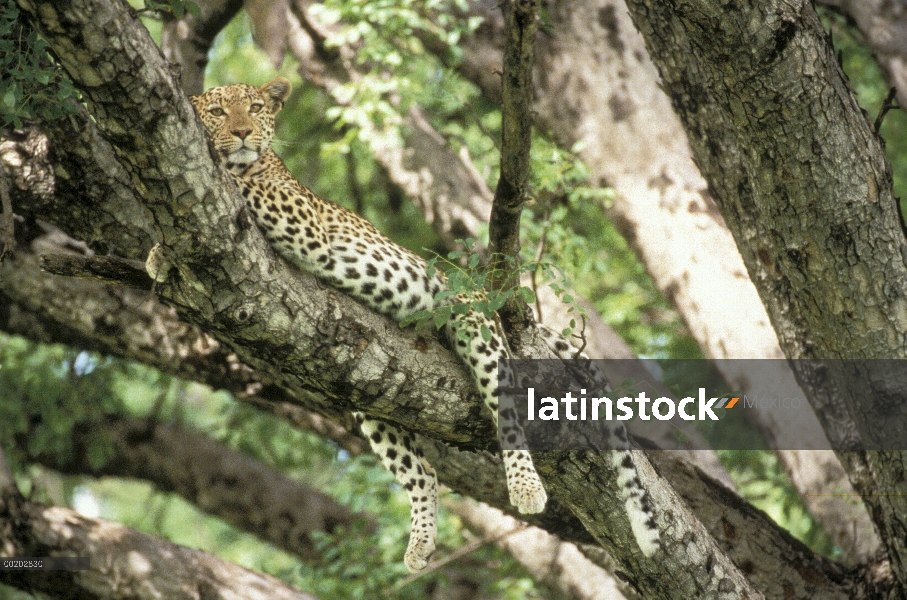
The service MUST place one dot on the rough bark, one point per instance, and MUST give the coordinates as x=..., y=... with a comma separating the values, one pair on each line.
x=815, y=219
x=124, y=563
x=609, y=101
x=516, y=141
x=97, y=317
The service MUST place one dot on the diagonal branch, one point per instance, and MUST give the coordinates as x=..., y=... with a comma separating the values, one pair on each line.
x=102, y=318
x=124, y=563
x=220, y=481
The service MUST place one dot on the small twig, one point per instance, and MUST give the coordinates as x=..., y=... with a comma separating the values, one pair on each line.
x=888, y=104
x=456, y=554
x=106, y=269
x=482, y=128
x=582, y=336
x=7, y=219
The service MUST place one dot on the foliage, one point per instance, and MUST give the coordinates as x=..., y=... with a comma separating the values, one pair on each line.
x=32, y=87
x=467, y=289
x=329, y=142
x=44, y=390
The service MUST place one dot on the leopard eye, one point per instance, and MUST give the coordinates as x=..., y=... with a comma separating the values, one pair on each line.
x=256, y=107
x=216, y=111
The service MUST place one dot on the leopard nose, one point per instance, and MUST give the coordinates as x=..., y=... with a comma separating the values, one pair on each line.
x=242, y=133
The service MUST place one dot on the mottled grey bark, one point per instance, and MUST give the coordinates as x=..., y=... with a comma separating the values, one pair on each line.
x=609, y=102
x=135, y=326
x=512, y=190
x=804, y=185
x=124, y=562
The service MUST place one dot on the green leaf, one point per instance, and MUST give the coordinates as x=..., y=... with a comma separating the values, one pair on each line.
x=461, y=308
x=442, y=316
x=486, y=333
x=527, y=295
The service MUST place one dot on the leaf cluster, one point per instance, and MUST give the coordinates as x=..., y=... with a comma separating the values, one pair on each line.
x=43, y=390
x=467, y=290
x=32, y=86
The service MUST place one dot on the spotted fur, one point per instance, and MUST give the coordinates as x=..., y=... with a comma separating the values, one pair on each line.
x=349, y=253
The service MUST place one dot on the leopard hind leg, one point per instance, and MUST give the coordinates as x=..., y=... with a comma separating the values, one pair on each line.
x=400, y=454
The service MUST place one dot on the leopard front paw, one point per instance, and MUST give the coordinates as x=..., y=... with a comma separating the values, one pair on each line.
x=528, y=494
x=418, y=553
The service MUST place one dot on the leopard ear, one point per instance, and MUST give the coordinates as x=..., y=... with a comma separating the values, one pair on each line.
x=275, y=93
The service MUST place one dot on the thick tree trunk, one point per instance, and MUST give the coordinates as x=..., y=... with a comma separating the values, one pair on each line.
x=610, y=103
x=803, y=183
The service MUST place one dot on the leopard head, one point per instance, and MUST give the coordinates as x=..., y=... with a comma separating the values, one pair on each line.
x=240, y=119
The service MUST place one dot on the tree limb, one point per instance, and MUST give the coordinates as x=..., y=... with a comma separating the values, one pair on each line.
x=516, y=127
x=105, y=316
x=222, y=482
x=811, y=218
x=287, y=324
x=124, y=562
x=610, y=103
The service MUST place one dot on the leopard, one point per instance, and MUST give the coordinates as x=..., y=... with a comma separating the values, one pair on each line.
x=347, y=252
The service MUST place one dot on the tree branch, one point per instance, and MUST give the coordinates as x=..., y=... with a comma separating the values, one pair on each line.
x=884, y=27
x=222, y=482
x=107, y=316
x=124, y=563
x=108, y=269
x=516, y=125
x=292, y=324
x=812, y=218
x=610, y=103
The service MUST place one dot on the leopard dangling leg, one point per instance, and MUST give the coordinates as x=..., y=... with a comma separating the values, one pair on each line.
x=523, y=483
x=401, y=456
